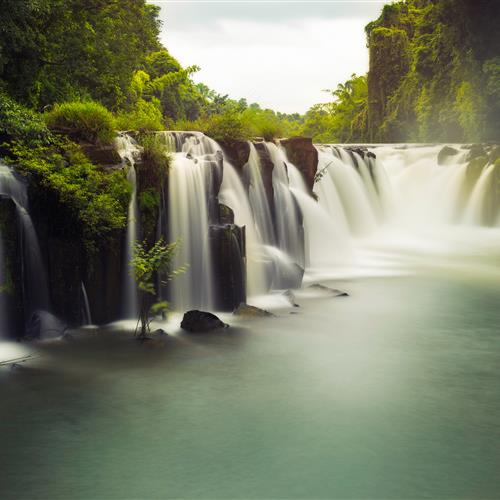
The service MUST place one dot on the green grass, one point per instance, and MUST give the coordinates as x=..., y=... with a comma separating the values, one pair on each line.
x=88, y=121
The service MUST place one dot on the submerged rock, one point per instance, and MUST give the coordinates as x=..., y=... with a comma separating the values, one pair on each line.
x=334, y=292
x=251, y=311
x=201, y=321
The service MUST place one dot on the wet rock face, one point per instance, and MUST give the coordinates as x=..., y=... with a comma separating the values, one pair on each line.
x=266, y=168
x=237, y=153
x=200, y=321
x=11, y=274
x=227, y=244
x=102, y=155
x=302, y=153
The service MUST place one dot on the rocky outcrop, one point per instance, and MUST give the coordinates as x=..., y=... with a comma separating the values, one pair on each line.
x=106, y=156
x=227, y=244
x=201, y=321
x=302, y=153
x=237, y=153
x=445, y=153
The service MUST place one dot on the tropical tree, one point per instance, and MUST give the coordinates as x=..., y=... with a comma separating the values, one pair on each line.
x=147, y=265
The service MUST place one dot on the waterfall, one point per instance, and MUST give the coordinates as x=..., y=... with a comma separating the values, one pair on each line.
x=191, y=205
x=258, y=197
x=188, y=224
x=86, y=314
x=34, y=277
x=288, y=215
x=128, y=150
x=475, y=213
x=352, y=191
x=233, y=195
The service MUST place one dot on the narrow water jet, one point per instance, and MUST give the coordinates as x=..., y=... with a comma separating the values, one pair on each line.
x=128, y=150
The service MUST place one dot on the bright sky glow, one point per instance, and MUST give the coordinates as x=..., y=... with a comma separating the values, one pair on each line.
x=279, y=54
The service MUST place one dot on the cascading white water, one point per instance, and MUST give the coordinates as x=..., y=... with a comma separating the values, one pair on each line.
x=475, y=211
x=424, y=192
x=188, y=216
x=190, y=181
x=128, y=149
x=87, y=315
x=258, y=197
x=288, y=220
x=233, y=194
x=35, y=286
x=348, y=184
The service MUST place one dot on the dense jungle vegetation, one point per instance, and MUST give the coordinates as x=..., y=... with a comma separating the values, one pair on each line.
x=74, y=71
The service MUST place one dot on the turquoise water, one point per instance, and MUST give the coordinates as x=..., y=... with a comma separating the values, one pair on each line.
x=392, y=392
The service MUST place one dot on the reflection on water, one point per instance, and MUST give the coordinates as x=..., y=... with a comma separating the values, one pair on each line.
x=390, y=393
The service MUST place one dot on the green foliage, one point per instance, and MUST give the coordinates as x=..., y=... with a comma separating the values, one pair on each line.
x=88, y=121
x=152, y=173
x=54, y=50
x=19, y=123
x=221, y=127
x=145, y=116
x=343, y=119
x=434, y=71
x=233, y=121
x=95, y=202
x=155, y=157
x=147, y=264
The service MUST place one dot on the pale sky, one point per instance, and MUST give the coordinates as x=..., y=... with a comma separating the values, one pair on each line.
x=280, y=54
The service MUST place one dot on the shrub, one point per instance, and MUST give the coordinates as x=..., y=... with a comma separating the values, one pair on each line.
x=88, y=121
x=19, y=123
x=228, y=126
x=96, y=201
x=146, y=116
x=155, y=158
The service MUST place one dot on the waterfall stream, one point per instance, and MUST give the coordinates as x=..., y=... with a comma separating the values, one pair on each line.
x=128, y=150
x=34, y=278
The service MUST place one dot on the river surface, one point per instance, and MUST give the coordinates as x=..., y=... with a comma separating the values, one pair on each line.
x=392, y=392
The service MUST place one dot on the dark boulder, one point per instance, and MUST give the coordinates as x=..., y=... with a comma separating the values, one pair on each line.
x=445, y=153
x=200, y=321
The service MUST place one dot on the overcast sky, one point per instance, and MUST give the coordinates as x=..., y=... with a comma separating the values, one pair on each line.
x=279, y=54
